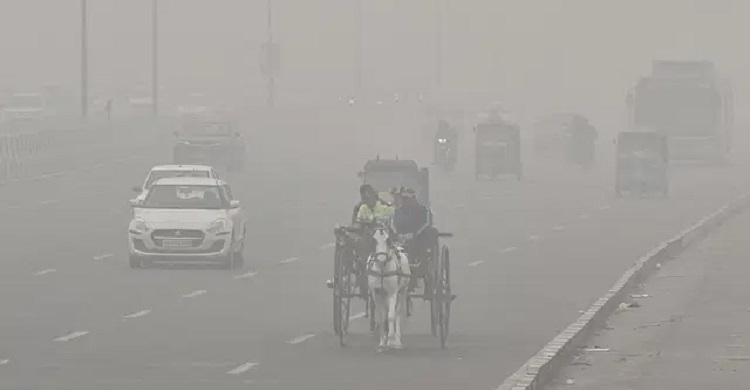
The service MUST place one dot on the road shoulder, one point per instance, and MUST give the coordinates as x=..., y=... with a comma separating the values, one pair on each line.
x=687, y=327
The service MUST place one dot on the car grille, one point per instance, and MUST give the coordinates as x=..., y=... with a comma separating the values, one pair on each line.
x=194, y=236
x=177, y=233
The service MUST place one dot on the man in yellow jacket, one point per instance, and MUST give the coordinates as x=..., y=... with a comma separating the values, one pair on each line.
x=372, y=208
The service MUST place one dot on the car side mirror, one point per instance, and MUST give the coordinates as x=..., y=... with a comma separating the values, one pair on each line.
x=134, y=203
x=237, y=135
x=136, y=189
x=614, y=141
x=176, y=134
x=234, y=204
x=360, y=174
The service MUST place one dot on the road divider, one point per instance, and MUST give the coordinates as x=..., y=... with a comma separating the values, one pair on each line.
x=547, y=363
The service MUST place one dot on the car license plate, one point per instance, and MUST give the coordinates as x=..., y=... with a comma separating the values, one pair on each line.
x=177, y=243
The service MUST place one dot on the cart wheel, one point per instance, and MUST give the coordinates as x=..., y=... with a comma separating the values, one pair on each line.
x=430, y=287
x=445, y=296
x=342, y=292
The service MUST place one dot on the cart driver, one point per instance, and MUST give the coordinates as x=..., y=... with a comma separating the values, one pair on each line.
x=413, y=224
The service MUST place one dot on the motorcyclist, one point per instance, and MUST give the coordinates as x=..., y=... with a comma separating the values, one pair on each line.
x=582, y=140
x=445, y=136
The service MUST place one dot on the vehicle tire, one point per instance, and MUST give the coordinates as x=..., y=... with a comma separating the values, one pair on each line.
x=227, y=262
x=135, y=262
x=239, y=258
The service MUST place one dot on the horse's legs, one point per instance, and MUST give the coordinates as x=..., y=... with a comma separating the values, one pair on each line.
x=400, y=316
x=380, y=317
x=392, y=301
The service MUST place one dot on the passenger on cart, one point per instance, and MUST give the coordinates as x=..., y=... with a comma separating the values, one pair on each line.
x=412, y=222
x=370, y=210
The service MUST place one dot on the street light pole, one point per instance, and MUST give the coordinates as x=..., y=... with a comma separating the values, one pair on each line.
x=438, y=45
x=271, y=65
x=84, y=62
x=155, y=56
x=359, y=27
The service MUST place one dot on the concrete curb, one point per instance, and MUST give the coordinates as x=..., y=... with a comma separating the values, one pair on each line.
x=547, y=363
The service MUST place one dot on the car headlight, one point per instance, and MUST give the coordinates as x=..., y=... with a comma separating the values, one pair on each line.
x=218, y=226
x=140, y=226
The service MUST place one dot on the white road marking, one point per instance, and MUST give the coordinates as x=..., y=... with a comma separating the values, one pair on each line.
x=509, y=249
x=487, y=198
x=72, y=336
x=138, y=314
x=357, y=316
x=326, y=246
x=475, y=263
x=105, y=256
x=604, y=207
x=242, y=368
x=246, y=275
x=559, y=227
x=460, y=206
x=45, y=272
x=48, y=202
x=4, y=361
x=14, y=207
x=300, y=339
x=194, y=294
x=534, y=237
x=99, y=166
x=583, y=216
x=46, y=176
x=289, y=260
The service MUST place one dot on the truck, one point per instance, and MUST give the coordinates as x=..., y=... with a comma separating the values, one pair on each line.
x=690, y=103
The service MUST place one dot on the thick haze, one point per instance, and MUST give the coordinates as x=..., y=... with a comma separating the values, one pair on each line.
x=535, y=56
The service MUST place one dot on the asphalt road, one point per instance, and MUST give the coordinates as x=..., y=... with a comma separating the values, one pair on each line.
x=526, y=257
x=689, y=331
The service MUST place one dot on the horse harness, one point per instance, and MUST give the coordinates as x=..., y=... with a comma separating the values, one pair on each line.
x=397, y=253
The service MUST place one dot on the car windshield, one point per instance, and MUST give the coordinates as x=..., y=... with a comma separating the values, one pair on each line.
x=25, y=101
x=156, y=175
x=208, y=129
x=185, y=197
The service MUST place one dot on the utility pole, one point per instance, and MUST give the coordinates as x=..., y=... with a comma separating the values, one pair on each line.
x=84, y=63
x=271, y=63
x=438, y=45
x=155, y=56
x=359, y=19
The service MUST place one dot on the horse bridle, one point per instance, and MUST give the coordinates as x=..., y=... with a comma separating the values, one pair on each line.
x=390, y=255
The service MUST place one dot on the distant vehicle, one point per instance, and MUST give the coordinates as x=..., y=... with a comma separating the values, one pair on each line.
x=498, y=150
x=24, y=107
x=385, y=174
x=187, y=220
x=690, y=103
x=642, y=162
x=212, y=143
x=166, y=171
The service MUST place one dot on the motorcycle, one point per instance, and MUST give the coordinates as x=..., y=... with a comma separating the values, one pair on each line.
x=445, y=156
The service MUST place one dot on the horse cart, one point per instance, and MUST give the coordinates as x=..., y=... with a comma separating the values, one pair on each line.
x=351, y=259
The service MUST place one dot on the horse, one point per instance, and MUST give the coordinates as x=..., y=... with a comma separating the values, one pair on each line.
x=388, y=276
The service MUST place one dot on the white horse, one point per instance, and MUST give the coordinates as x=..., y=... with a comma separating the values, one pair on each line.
x=388, y=276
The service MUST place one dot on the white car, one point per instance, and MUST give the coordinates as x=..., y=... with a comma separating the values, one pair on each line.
x=164, y=171
x=187, y=220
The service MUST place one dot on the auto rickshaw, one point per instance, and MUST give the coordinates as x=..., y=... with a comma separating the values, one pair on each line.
x=642, y=162
x=498, y=150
